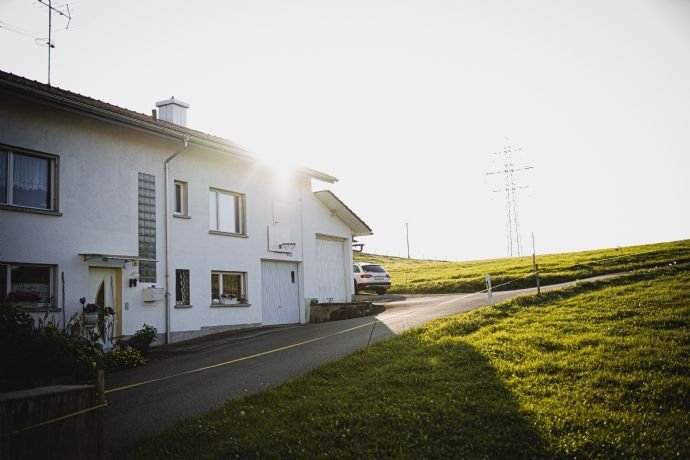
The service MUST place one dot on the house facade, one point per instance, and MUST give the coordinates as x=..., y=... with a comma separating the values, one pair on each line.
x=166, y=225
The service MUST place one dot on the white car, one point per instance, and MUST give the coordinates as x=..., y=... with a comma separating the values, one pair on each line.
x=372, y=277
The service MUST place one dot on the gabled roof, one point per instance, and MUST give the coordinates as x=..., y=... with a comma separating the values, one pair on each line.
x=100, y=109
x=342, y=212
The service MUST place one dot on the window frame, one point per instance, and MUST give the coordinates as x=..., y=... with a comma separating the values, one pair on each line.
x=6, y=272
x=53, y=180
x=183, y=187
x=179, y=292
x=242, y=299
x=240, y=212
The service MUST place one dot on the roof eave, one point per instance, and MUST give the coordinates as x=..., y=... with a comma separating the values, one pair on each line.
x=344, y=213
x=168, y=131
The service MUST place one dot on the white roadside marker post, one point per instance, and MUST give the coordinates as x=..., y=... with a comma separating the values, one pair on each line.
x=488, y=290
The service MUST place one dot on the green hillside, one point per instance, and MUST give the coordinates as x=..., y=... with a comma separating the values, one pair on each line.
x=598, y=370
x=433, y=276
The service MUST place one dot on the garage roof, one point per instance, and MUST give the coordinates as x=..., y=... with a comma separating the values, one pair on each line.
x=342, y=212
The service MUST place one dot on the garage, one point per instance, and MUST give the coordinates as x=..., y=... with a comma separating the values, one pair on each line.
x=332, y=273
x=279, y=293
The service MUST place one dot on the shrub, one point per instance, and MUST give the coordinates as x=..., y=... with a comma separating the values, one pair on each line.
x=146, y=335
x=43, y=354
x=123, y=358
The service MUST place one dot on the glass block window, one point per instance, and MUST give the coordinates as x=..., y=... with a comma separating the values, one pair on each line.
x=182, y=296
x=147, y=227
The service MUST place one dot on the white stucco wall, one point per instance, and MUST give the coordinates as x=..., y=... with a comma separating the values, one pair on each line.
x=98, y=164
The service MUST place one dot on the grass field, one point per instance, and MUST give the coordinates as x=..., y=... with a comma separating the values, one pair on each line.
x=430, y=276
x=600, y=370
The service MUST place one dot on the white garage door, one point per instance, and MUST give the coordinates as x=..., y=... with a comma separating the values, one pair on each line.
x=331, y=269
x=279, y=293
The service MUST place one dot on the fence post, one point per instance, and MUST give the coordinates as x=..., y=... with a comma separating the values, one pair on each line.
x=100, y=396
x=488, y=290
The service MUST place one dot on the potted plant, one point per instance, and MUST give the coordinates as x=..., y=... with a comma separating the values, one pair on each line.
x=24, y=298
x=143, y=338
x=228, y=298
x=90, y=314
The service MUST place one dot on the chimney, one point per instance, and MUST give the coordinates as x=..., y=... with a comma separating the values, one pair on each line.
x=173, y=110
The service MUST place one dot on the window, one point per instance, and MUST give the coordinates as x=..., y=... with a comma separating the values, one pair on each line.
x=226, y=212
x=180, y=198
x=27, y=180
x=182, y=287
x=147, y=227
x=27, y=285
x=228, y=288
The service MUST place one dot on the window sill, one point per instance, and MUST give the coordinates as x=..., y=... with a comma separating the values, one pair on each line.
x=238, y=235
x=184, y=306
x=231, y=305
x=39, y=309
x=181, y=216
x=11, y=207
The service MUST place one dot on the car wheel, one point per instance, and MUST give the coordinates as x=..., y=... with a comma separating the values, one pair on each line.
x=356, y=288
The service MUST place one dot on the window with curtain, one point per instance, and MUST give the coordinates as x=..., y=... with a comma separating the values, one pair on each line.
x=29, y=285
x=26, y=180
x=3, y=176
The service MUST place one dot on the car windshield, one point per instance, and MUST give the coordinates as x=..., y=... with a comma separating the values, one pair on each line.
x=373, y=268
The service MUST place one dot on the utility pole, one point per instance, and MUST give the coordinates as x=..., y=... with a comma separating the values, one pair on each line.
x=510, y=189
x=407, y=236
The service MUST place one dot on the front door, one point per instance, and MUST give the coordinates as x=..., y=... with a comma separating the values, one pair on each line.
x=104, y=290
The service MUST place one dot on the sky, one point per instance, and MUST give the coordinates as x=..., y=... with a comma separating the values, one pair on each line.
x=407, y=101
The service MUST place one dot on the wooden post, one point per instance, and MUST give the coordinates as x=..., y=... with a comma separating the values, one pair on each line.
x=100, y=396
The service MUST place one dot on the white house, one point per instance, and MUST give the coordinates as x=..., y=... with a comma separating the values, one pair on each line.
x=169, y=226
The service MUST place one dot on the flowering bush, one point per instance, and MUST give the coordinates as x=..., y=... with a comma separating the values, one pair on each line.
x=123, y=358
x=23, y=296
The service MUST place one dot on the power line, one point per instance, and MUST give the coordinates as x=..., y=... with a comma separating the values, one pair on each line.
x=16, y=29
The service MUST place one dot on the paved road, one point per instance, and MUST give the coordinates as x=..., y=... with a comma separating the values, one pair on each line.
x=192, y=377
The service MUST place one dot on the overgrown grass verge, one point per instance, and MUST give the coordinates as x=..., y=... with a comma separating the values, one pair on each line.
x=433, y=276
x=598, y=370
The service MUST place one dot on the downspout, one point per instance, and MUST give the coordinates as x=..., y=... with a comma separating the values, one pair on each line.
x=167, y=239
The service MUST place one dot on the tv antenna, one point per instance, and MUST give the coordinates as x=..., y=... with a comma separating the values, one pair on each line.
x=510, y=188
x=62, y=10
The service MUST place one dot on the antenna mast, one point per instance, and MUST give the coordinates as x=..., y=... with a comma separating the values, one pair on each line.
x=49, y=41
x=510, y=188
